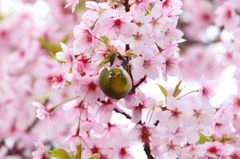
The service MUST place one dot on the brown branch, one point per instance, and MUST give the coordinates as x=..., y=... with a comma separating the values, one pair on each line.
x=127, y=47
x=156, y=123
x=123, y=113
x=138, y=84
x=148, y=151
x=127, y=7
x=32, y=125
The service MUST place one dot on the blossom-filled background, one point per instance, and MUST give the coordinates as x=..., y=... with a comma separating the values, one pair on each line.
x=182, y=58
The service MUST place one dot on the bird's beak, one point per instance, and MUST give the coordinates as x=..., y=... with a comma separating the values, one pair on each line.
x=118, y=75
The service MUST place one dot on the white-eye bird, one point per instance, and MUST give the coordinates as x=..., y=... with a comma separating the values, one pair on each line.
x=115, y=82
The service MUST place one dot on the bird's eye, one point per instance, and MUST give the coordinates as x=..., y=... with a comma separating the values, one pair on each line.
x=110, y=75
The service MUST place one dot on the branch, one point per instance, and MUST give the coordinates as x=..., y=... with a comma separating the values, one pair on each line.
x=156, y=123
x=123, y=113
x=32, y=125
x=148, y=151
x=127, y=7
x=138, y=84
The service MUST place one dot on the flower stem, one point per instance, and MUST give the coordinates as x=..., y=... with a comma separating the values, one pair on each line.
x=187, y=94
x=65, y=102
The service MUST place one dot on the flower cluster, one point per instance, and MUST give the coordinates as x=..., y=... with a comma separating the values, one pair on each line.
x=153, y=41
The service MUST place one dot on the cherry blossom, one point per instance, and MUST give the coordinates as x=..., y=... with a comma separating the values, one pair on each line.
x=105, y=111
x=85, y=40
x=137, y=37
x=73, y=3
x=175, y=115
x=58, y=81
x=207, y=88
x=147, y=64
x=89, y=89
x=123, y=153
x=40, y=153
x=66, y=56
x=42, y=111
x=226, y=16
x=170, y=66
x=116, y=26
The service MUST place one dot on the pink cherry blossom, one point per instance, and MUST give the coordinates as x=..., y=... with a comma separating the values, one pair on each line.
x=171, y=148
x=214, y=147
x=147, y=64
x=236, y=123
x=137, y=37
x=40, y=153
x=141, y=5
x=137, y=108
x=143, y=133
x=84, y=66
x=157, y=21
x=235, y=154
x=192, y=152
x=235, y=103
x=58, y=81
x=89, y=89
x=72, y=110
x=66, y=56
x=98, y=11
x=112, y=131
x=105, y=111
x=96, y=146
x=42, y=111
x=207, y=88
x=170, y=66
x=123, y=152
x=172, y=7
x=226, y=16
x=202, y=119
x=73, y=3
x=171, y=35
x=115, y=26
x=175, y=115
x=85, y=40
x=224, y=114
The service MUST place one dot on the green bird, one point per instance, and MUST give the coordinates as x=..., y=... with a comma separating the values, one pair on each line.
x=115, y=82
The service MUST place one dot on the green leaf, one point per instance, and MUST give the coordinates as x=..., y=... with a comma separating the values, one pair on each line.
x=163, y=89
x=53, y=47
x=103, y=62
x=177, y=91
x=96, y=155
x=49, y=45
x=43, y=42
x=65, y=39
x=203, y=139
x=60, y=153
x=104, y=38
x=79, y=152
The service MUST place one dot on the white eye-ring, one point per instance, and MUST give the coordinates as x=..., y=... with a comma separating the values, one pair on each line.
x=110, y=74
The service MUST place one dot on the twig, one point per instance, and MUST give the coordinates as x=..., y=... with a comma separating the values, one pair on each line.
x=156, y=123
x=127, y=7
x=138, y=84
x=148, y=151
x=123, y=113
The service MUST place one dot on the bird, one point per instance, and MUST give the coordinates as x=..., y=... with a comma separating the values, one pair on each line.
x=115, y=82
